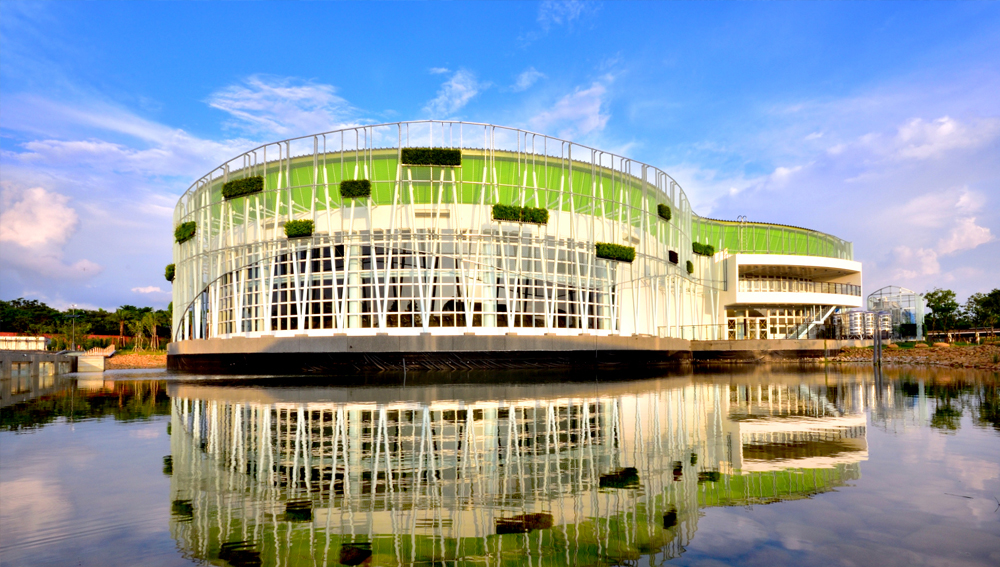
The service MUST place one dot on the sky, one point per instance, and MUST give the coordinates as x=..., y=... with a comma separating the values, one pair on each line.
x=878, y=122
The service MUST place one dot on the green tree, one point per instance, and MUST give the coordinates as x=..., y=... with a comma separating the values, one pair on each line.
x=988, y=309
x=27, y=316
x=943, y=306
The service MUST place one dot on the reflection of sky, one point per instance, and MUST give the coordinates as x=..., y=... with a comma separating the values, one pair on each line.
x=899, y=512
x=93, y=491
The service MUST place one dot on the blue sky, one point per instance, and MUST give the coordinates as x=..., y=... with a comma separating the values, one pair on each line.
x=878, y=122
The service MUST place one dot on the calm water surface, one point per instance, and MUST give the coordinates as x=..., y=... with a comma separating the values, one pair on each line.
x=751, y=466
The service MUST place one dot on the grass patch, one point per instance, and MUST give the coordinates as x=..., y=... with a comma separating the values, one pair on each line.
x=513, y=213
x=431, y=156
x=355, y=188
x=240, y=187
x=298, y=228
x=615, y=252
x=185, y=231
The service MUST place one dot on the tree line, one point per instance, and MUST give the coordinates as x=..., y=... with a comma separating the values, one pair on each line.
x=980, y=310
x=135, y=327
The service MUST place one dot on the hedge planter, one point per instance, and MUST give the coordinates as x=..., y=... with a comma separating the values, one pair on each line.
x=185, y=231
x=703, y=249
x=240, y=187
x=663, y=211
x=513, y=213
x=690, y=267
x=298, y=228
x=169, y=273
x=615, y=252
x=431, y=156
x=355, y=188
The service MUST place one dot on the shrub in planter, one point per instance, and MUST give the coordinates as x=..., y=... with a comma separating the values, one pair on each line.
x=615, y=252
x=514, y=213
x=431, y=156
x=185, y=231
x=298, y=228
x=663, y=211
x=355, y=188
x=703, y=249
x=673, y=257
x=690, y=267
x=241, y=187
x=169, y=274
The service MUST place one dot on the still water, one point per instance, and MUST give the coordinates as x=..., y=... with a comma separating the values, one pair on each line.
x=765, y=465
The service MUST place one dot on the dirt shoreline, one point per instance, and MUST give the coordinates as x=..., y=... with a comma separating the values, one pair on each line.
x=135, y=361
x=984, y=357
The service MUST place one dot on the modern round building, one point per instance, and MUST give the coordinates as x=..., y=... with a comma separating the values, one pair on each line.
x=452, y=241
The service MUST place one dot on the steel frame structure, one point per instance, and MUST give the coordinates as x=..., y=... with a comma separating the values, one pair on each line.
x=422, y=253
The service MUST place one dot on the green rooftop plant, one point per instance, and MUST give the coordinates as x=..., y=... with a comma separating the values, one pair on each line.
x=616, y=252
x=663, y=211
x=245, y=186
x=169, y=273
x=355, y=188
x=431, y=156
x=690, y=267
x=298, y=228
x=185, y=231
x=514, y=213
x=703, y=249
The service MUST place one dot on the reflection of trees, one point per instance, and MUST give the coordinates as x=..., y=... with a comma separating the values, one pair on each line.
x=946, y=417
x=987, y=407
x=125, y=401
x=946, y=396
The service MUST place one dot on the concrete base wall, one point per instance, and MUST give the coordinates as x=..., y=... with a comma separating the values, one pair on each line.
x=90, y=363
x=342, y=354
x=348, y=354
x=764, y=350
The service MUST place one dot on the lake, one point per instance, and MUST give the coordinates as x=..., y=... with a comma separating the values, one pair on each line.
x=734, y=465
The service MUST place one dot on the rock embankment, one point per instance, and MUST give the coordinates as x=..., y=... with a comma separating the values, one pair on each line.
x=986, y=357
x=133, y=361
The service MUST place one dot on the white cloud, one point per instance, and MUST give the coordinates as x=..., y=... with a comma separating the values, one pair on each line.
x=782, y=174
x=527, y=78
x=561, y=12
x=439, y=70
x=965, y=235
x=919, y=139
x=283, y=106
x=148, y=289
x=34, y=227
x=38, y=219
x=454, y=94
x=576, y=114
x=910, y=263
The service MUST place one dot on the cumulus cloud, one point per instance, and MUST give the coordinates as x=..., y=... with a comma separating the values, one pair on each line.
x=527, y=78
x=148, y=289
x=283, y=106
x=920, y=139
x=454, y=94
x=576, y=114
x=965, y=235
x=34, y=228
x=439, y=70
x=909, y=263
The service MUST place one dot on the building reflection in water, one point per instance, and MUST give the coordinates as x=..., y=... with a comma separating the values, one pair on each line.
x=576, y=473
